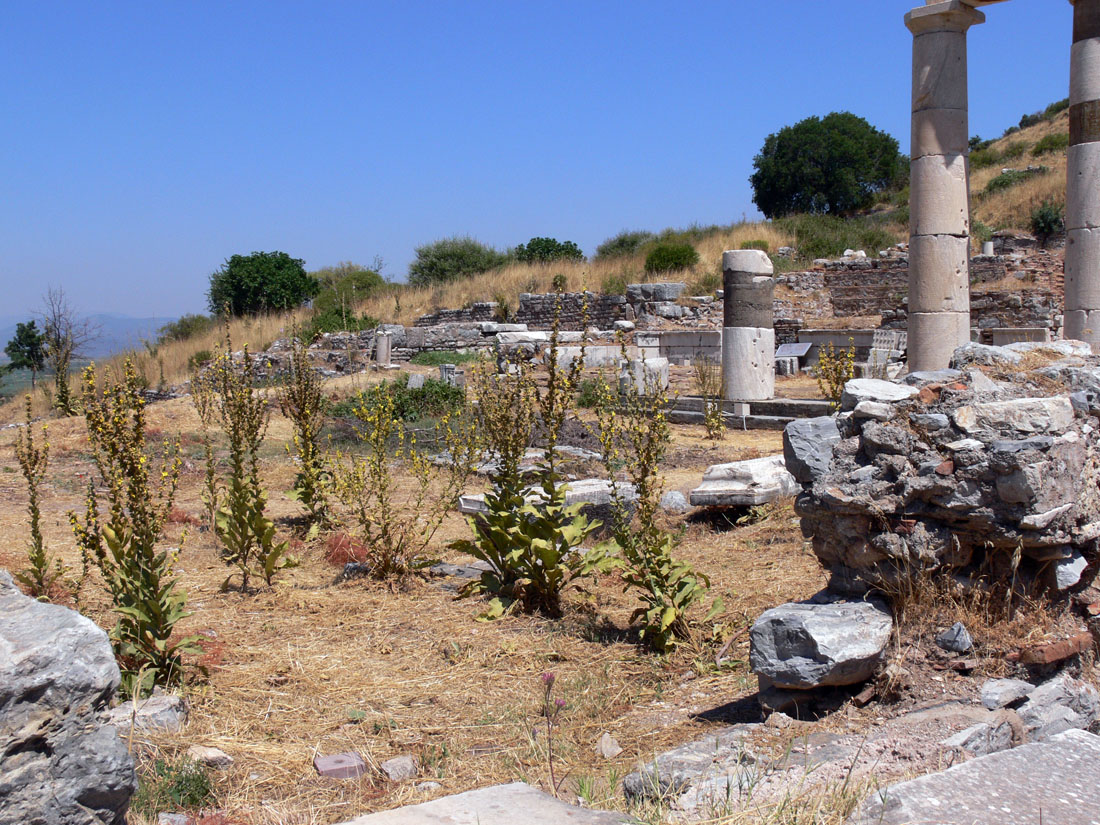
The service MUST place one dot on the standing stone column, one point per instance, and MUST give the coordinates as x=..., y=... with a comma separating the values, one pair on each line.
x=748, y=337
x=382, y=348
x=939, y=199
x=1083, y=178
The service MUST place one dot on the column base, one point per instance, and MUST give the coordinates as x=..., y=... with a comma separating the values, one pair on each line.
x=748, y=363
x=934, y=337
x=1083, y=325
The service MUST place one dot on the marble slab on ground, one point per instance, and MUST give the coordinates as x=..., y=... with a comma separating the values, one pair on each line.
x=592, y=491
x=745, y=483
x=514, y=804
x=1057, y=781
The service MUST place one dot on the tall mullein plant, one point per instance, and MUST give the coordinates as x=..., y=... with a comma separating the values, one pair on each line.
x=121, y=540
x=246, y=534
x=42, y=572
x=302, y=400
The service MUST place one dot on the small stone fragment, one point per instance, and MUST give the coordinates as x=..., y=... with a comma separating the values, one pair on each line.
x=875, y=410
x=340, y=765
x=955, y=639
x=674, y=502
x=982, y=738
x=164, y=712
x=211, y=757
x=1067, y=572
x=428, y=787
x=607, y=747
x=401, y=768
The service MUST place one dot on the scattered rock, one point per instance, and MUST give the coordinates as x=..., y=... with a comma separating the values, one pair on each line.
x=983, y=738
x=607, y=747
x=873, y=389
x=1065, y=573
x=671, y=772
x=1001, y=693
x=416, y=382
x=674, y=502
x=340, y=765
x=164, y=712
x=175, y=819
x=974, y=353
x=428, y=787
x=808, y=644
x=60, y=761
x=211, y=757
x=955, y=639
x=401, y=768
x=1023, y=415
x=874, y=410
x=1061, y=778
x=1057, y=705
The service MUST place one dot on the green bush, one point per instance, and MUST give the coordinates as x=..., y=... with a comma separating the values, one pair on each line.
x=761, y=245
x=260, y=282
x=832, y=165
x=452, y=259
x=434, y=359
x=559, y=283
x=1014, y=150
x=980, y=230
x=625, y=243
x=588, y=393
x=1057, y=142
x=188, y=326
x=197, y=359
x=180, y=784
x=333, y=320
x=543, y=250
x=667, y=257
x=613, y=285
x=1048, y=218
x=1012, y=177
x=434, y=400
x=706, y=283
x=827, y=236
x=1056, y=108
x=985, y=157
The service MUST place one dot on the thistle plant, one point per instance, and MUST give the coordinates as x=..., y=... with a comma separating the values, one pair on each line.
x=122, y=542
x=711, y=389
x=529, y=536
x=551, y=709
x=634, y=435
x=42, y=573
x=247, y=535
x=302, y=401
x=396, y=519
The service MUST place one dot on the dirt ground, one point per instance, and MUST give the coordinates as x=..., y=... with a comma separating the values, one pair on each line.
x=317, y=666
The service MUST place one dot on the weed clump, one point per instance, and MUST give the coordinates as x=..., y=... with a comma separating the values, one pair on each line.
x=667, y=257
x=42, y=573
x=835, y=369
x=303, y=402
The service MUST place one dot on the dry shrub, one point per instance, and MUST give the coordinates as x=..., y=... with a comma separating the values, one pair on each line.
x=341, y=549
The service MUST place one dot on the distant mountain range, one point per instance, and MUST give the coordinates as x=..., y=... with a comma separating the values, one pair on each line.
x=117, y=333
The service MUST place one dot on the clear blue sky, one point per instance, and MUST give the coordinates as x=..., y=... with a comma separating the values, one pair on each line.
x=143, y=143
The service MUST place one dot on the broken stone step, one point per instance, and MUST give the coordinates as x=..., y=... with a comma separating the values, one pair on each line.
x=514, y=804
x=734, y=422
x=745, y=483
x=1054, y=781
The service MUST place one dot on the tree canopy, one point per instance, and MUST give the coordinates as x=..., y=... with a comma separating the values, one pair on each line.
x=451, y=259
x=544, y=250
x=27, y=349
x=260, y=282
x=830, y=165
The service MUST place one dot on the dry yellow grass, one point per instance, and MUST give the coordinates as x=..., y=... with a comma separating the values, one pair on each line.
x=1011, y=208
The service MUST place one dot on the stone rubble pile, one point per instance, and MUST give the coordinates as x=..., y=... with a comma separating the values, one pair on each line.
x=956, y=472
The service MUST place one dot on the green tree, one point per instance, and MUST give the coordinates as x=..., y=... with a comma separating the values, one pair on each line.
x=186, y=326
x=831, y=165
x=451, y=259
x=27, y=350
x=542, y=250
x=260, y=282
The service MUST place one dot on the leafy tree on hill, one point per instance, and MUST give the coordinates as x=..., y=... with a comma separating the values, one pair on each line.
x=187, y=326
x=542, y=250
x=27, y=350
x=831, y=165
x=260, y=282
x=451, y=259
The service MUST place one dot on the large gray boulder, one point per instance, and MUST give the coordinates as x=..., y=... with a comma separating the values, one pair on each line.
x=1056, y=781
x=813, y=644
x=59, y=764
x=808, y=446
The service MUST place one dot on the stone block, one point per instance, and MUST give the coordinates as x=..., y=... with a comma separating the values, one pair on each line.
x=1082, y=197
x=939, y=196
x=1082, y=269
x=401, y=768
x=1084, y=71
x=1000, y=693
x=939, y=274
x=498, y=805
x=1059, y=704
x=165, y=713
x=808, y=446
x=939, y=63
x=650, y=293
x=984, y=355
x=934, y=337
x=813, y=644
x=745, y=483
x=939, y=132
x=1025, y=415
x=874, y=389
x=1082, y=325
x=753, y=261
x=1060, y=778
x=748, y=363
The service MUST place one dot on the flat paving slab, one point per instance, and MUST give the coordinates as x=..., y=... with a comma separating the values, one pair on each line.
x=514, y=804
x=1057, y=781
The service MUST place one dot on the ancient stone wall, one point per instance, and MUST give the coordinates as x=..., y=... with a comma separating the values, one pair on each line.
x=578, y=310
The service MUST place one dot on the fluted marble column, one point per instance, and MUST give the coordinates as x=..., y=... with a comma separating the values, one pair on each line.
x=748, y=334
x=939, y=200
x=1083, y=178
